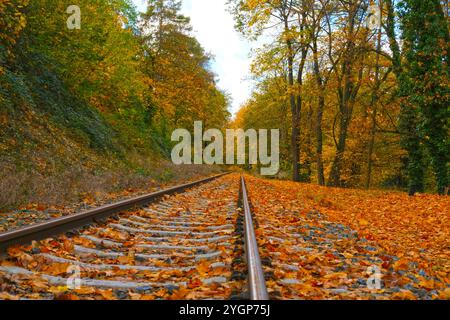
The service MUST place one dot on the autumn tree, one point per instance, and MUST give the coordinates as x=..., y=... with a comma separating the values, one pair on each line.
x=288, y=19
x=351, y=50
x=380, y=70
x=177, y=66
x=425, y=86
x=140, y=79
x=269, y=99
x=323, y=67
x=348, y=124
x=99, y=61
x=12, y=22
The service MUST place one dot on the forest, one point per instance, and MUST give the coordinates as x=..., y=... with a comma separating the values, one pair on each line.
x=359, y=89
x=96, y=103
x=130, y=168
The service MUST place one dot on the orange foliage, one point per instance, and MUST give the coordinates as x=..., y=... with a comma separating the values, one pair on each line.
x=415, y=229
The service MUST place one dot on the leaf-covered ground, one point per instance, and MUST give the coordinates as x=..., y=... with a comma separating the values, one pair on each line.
x=319, y=243
x=186, y=247
x=315, y=243
x=35, y=212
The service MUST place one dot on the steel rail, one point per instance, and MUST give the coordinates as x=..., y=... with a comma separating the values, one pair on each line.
x=65, y=224
x=256, y=280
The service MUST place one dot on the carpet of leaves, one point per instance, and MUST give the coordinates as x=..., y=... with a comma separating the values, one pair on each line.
x=320, y=243
x=210, y=205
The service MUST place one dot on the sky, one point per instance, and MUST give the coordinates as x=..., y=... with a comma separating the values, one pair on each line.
x=213, y=27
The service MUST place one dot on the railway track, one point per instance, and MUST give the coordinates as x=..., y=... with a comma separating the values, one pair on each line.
x=305, y=255
x=189, y=242
x=201, y=241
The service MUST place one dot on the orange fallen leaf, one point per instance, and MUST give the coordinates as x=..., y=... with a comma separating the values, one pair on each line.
x=125, y=260
x=57, y=269
x=194, y=283
x=445, y=295
x=363, y=222
x=180, y=294
x=106, y=294
x=401, y=264
x=427, y=284
x=203, y=268
x=404, y=295
x=67, y=296
x=85, y=290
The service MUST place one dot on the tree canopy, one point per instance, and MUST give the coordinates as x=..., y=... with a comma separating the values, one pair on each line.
x=359, y=89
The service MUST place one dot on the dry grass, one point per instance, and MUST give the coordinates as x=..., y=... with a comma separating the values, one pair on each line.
x=74, y=183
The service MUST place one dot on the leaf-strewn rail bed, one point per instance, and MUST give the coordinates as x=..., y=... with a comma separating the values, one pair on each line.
x=211, y=242
x=183, y=246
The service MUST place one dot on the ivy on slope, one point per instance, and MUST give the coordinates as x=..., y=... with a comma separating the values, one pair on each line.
x=33, y=88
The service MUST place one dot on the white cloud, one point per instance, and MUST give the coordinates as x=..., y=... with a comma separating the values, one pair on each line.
x=214, y=28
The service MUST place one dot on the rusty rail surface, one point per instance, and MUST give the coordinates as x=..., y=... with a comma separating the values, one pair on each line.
x=256, y=280
x=65, y=224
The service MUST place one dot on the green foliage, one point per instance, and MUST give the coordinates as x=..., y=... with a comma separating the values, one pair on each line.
x=12, y=22
x=425, y=84
x=36, y=88
x=100, y=62
x=104, y=97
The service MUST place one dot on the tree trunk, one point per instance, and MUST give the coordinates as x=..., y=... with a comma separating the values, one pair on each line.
x=308, y=144
x=335, y=175
x=319, y=137
x=319, y=119
x=374, y=107
x=295, y=139
x=410, y=139
x=347, y=92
